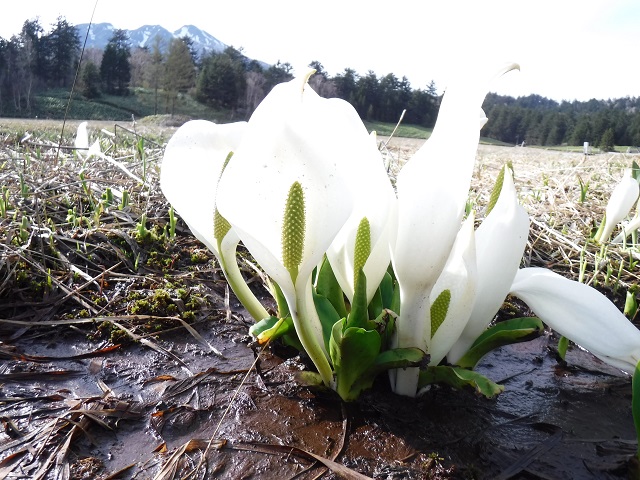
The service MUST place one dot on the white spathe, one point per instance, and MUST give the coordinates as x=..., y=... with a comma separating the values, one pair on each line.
x=432, y=191
x=191, y=168
x=293, y=136
x=82, y=137
x=460, y=278
x=500, y=243
x=622, y=199
x=375, y=200
x=580, y=313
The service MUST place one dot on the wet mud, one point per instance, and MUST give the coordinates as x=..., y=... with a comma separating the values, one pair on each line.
x=142, y=413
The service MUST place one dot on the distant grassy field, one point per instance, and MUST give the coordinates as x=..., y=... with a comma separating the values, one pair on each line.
x=52, y=104
x=142, y=102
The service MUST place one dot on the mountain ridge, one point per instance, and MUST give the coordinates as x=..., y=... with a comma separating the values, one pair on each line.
x=100, y=34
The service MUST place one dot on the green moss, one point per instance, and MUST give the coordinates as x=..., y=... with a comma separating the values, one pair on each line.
x=199, y=256
x=172, y=309
x=158, y=303
x=139, y=307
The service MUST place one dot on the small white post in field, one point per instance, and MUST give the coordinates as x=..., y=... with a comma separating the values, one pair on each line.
x=585, y=148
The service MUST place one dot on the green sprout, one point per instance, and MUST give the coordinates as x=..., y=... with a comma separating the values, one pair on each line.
x=172, y=223
x=124, y=203
x=24, y=188
x=87, y=190
x=24, y=229
x=141, y=228
x=4, y=201
x=631, y=302
x=584, y=187
x=107, y=196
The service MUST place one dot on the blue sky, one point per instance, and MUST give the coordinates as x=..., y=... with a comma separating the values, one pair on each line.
x=567, y=49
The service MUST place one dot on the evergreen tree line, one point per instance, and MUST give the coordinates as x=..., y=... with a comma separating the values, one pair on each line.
x=35, y=60
x=540, y=121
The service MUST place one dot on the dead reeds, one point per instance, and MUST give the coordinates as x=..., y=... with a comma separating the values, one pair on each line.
x=88, y=244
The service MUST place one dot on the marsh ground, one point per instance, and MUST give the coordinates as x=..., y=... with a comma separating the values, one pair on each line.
x=125, y=356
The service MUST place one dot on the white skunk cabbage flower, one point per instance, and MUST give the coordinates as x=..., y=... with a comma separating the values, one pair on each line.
x=500, y=243
x=363, y=242
x=287, y=193
x=81, y=141
x=582, y=314
x=432, y=190
x=622, y=199
x=192, y=165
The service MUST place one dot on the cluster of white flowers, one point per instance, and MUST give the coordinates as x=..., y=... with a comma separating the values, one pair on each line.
x=303, y=181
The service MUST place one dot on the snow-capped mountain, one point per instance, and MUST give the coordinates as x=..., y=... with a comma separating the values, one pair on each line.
x=200, y=38
x=101, y=33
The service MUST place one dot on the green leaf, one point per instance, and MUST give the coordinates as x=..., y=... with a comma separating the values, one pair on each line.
x=386, y=290
x=563, y=345
x=291, y=340
x=395, y=301
x=327, y=315
x=635, y=171
x=310, y=379
x=375, y=305
x=359, y=315
x=283, y=306
x=358, y=351
x=381, y=324
x=328, y=287
x=390, y=329
x=271, y=328
x=503, y=333
x=398, y=358
x=386, y=360
x=334, y=343
x=459, y=378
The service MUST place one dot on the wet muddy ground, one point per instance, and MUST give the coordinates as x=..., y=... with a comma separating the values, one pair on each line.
x=100, y=379
x=132, y=411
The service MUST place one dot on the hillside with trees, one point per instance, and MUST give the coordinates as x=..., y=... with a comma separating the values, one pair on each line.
x=35, y=61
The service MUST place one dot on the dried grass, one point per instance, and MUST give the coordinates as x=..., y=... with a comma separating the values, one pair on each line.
x=67, y=254
x=548, y=184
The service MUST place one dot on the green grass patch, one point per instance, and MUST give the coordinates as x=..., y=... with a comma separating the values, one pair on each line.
x=406, y=131
x=52, y=104
x=417, y=131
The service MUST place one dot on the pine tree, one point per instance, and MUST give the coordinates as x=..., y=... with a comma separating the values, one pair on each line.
x=222, y=82
x=179, y=75
x=90, y=86
x=115, y=70
x=607, y=140
x=155, y=72
x=61, y=48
